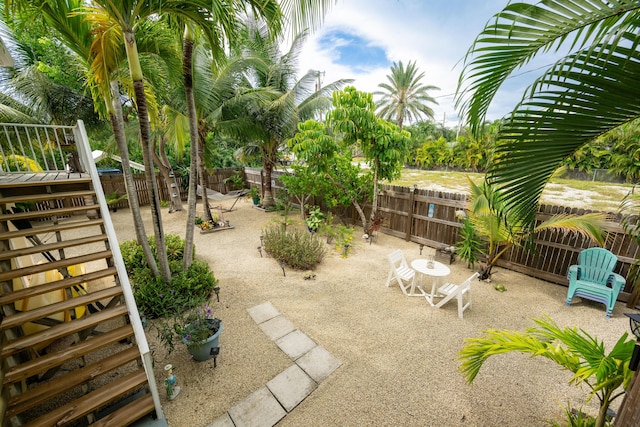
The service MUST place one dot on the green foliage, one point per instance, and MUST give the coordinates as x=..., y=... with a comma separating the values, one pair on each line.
x=154, y=297
x=589, y=90
x=576, y=418
x=315, y=218
x=572, y=349
x=254, y=192
x=469, y=245
x=344, y=238
x=296, y=248
x=495, y=222
x=235, y=181
x=404, y=97
x=194, y=325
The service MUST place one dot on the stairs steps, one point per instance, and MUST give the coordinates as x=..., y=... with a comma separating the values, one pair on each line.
x=90, y=401
x=44, y=392
x=47, y=213
x=128, y=414
x=11, y=181
x=44, y=363
x=49, y=247
x=23, y=317
x=40, y=268
x=40, y=197
x=101, y=360
x=64, y=226
x=62, y=330
x=54, y=286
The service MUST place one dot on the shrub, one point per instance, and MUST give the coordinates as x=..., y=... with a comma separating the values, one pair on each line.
x=296, y=248
x=134, y=257
x=155, y=298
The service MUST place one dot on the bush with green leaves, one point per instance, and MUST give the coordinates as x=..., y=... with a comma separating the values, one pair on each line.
x=156, y=298
x=298, y=249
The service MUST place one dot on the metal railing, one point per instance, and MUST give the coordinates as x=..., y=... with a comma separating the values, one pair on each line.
x=38, y=148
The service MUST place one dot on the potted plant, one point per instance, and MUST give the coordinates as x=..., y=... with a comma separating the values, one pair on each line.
x=197, y=329
x=314, y=219
x=254, y=194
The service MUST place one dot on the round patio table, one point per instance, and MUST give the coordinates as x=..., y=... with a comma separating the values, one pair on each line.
x=434, y=269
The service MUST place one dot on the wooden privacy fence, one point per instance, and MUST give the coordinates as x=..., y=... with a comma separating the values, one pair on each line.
x=430, y=218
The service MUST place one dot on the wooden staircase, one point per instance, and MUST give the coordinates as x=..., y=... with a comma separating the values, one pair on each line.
x=67, y=345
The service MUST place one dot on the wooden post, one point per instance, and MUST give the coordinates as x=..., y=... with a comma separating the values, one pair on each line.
x=628, y=414
x=412, y=193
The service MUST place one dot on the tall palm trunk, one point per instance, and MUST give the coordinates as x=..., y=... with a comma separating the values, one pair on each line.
x=269, y=160
x=117, y=123
x=187, y=71
x=206, y=208
x=147, y=155
x=164, y=166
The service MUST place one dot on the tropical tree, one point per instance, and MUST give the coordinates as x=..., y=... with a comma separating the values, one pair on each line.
x=404, y=97
x=383, y=144
x=97, y=54
x=352, y=125
x=293, y=100
x=572, y=349
x=494, y=221
x=587, y=92
x=324, y=157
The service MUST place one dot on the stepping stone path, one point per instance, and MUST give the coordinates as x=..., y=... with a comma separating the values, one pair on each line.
x=312, y=365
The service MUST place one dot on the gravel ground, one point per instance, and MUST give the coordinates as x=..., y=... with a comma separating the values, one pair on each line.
x=399, y=355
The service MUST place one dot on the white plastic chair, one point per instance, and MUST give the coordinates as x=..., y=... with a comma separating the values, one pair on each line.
x=400, y=271
x=451, y=290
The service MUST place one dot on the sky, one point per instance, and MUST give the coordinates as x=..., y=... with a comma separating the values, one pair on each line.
x=360, y=40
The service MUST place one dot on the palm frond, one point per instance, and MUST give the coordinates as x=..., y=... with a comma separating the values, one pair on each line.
x=569, y=106
x=521, y=31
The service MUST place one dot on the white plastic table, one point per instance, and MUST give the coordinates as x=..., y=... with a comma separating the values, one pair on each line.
x=438, y=271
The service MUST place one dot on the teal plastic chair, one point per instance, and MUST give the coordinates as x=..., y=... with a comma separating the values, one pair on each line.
x=593, y=278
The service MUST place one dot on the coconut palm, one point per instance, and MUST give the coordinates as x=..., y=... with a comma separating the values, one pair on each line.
x=586, y=93
x=220, y=28
x=294, y=100
x=494, y=221
x=572, y=349
x=404, y=97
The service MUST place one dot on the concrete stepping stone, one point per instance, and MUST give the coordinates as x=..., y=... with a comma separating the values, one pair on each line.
x=291, y=387
x=259, y=409
x=318, y=363
x=263, y=312
x=277, y=327
x=222, y=421
x=295, y=344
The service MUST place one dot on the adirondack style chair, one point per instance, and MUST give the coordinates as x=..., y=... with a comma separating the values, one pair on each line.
x=593, y=278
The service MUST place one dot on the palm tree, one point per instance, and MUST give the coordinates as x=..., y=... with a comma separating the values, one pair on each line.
x=586, y=93
x=405, y=98
x=217, y=27
x=98, y=47
x=494, y=221
x=573, y=350
x=293, y=100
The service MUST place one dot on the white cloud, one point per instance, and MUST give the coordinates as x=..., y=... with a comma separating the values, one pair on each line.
x=434, y=33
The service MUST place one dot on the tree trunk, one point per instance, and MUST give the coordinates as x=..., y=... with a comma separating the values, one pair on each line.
x=147, y=155
x=268, y=162
x=187, y=57
x=356, y=204
x=115, y=115
x=202, y=175
x=374, y=201
x=164, y=166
